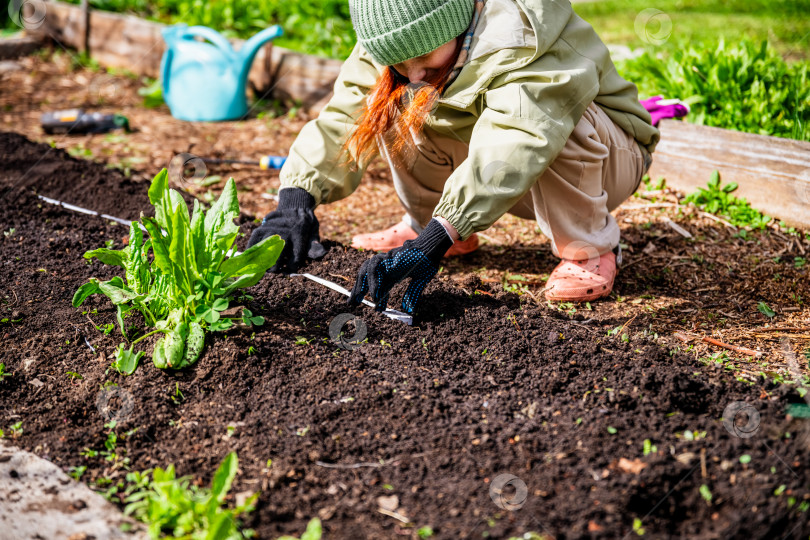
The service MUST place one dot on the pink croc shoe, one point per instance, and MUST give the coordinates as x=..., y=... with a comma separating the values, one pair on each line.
x=386, y=240
x=582, y=281
x=394, y=237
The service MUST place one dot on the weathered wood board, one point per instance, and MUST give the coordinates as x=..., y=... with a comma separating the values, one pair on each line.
x=773, y=173
x=14, y=47
x=128, y=42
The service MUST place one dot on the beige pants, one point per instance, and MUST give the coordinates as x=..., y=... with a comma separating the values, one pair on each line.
x=598, y=169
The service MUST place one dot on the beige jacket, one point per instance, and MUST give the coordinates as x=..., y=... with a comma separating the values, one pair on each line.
x=534, y=68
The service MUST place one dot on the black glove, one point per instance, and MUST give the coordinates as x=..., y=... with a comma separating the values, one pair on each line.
x=295, y=222
x=417, y=259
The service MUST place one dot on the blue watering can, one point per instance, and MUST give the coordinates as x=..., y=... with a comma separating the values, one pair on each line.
x=206, y=80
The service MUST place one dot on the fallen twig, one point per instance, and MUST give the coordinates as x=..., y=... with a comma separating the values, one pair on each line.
x=677, y=228
x=683, y=337
x=741, y=350
x=792, y=336
x=631, y=207
x=625, y=324
x=394, y=515
x=718, y=220
x=784, y=329
x=351, y=466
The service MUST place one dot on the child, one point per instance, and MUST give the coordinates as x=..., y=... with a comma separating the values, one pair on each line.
x=480, y=107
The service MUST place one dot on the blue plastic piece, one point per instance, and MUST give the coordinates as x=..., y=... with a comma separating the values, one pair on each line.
x=205, y=81
x=272, y=162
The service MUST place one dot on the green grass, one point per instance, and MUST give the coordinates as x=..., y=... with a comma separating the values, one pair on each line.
x=323, y=27
x=783, y=23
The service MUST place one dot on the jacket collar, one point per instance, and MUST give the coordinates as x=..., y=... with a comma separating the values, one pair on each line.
x=510, y=35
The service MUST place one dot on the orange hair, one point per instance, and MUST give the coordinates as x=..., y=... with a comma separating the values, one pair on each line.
x=392, y=94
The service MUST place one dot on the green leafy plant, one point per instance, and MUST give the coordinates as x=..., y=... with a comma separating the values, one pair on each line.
x=706, y=493
x=126, y=361
x=718, y=199
x=16, y=429
x=744, y=86
x=152, y=93
x=106, y=329
x=111, y=452
x=77, y=472
x=175, y=507
x=766, y=310
x=190, y=280
x=425, y=532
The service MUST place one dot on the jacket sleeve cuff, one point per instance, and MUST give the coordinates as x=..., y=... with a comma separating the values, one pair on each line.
x=295, y=197
x=456, y=218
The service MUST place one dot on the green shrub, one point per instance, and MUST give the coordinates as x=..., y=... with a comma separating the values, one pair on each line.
x=745, y=87
x=318, y=27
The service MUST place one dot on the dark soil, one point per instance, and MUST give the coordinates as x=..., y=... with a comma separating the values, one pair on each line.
x=482, y=385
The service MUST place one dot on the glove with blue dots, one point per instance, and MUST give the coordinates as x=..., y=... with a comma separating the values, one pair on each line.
x=417, y=259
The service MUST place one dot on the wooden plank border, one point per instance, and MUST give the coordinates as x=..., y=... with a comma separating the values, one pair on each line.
x=14, y=47
x=129, y=42
x=773, y=173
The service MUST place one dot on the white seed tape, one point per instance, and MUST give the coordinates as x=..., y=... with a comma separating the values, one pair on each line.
x=81, y=210
x=390, y=313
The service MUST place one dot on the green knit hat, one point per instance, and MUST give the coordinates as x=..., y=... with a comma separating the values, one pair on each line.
x=393, y=31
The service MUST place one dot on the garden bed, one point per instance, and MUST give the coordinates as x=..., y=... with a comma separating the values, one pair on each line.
x=484, y=384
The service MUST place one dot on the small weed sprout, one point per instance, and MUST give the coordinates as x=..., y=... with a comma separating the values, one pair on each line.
x=77, y=472
x=177, y=396
x=16, y=430
x=3, y=373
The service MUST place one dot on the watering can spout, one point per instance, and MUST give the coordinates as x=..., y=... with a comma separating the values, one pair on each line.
x=252, y=46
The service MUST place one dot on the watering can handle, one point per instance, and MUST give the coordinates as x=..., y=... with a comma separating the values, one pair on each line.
x=166, y=70
x=211, y=35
